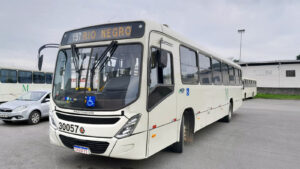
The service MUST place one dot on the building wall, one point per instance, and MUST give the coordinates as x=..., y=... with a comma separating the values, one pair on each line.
x=273, y=76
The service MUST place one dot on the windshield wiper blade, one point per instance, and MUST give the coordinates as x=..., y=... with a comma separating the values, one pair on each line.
x=111, y=48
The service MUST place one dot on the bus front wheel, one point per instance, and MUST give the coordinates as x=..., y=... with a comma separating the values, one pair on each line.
x=178, y=146
x=186, y=134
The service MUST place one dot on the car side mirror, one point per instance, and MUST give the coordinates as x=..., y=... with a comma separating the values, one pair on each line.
x=46, y=100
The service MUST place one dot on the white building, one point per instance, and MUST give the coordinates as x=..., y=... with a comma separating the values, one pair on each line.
x=273, y=74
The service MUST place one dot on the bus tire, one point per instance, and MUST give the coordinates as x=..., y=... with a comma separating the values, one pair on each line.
x=227, y=118
x=178, y=146
x=34, y=117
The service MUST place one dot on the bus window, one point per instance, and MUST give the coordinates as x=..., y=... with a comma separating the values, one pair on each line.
x=237, y=77
x=205, y=69
x=8, y=76
x=240, y=77
x=48, y=78
x=188, y=64
x=24, y=76
x=225, y=73
x=38, y=77
x=231, y=76
x=217, y=74
x=161, y=79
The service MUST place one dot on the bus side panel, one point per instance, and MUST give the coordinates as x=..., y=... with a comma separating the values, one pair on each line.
x=162, y=116
x=10, y=91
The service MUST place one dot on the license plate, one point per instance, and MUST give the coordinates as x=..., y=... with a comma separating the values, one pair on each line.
x=83, y=150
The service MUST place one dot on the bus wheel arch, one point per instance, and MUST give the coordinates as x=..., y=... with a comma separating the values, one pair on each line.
x=184, y=137
x=189, y=122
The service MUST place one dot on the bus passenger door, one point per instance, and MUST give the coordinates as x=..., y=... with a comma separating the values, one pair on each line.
x=161, y=101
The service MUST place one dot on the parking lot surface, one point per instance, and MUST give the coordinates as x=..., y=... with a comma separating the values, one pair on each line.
x=262, y=134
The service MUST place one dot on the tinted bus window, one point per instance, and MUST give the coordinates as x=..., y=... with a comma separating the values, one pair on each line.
x=231, y=76
x=205, y=69
x=38, y=77
x=24, y=77
x=48, y=78
x=217, y=74
x=188, y=63
x=225, y=74
x=8, y=76
x=237, y=77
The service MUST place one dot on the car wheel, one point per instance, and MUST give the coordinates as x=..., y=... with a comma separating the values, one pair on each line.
x=34, y=117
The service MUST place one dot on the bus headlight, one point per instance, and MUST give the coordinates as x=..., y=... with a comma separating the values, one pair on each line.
x=129, y=127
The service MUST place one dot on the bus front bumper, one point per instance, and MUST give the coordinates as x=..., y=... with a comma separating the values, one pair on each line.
x=132, y=147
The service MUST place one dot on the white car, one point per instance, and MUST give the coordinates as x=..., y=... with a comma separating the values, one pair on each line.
x=30, y=107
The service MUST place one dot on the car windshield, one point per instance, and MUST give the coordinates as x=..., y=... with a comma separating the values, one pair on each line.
x=32, y=96
x=81, y=83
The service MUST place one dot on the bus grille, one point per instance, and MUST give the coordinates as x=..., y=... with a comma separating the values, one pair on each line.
x=97, y=147
x=87, y=120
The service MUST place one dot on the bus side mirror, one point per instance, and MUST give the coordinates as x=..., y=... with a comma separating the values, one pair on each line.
x=162, y=58
x=40, y=62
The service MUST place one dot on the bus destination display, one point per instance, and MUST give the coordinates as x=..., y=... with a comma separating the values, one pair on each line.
x=105, y=32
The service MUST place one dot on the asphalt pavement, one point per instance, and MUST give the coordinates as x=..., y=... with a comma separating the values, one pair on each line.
x=262, y=134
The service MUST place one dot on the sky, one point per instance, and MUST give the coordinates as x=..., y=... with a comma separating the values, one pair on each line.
x=272, y=26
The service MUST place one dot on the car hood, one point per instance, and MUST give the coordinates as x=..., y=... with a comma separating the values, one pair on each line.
x=15, y=103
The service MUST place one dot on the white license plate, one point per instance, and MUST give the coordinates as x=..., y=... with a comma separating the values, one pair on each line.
x=83, y=150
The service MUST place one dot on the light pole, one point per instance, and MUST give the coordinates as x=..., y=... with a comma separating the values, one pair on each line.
x=241, y=31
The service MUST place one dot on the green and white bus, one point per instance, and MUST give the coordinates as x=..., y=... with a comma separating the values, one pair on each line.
x=14, y=81
x=130, y=89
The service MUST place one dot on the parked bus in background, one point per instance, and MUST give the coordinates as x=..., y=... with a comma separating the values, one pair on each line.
x=131, y=89
x=15, y=82
x=250, y=88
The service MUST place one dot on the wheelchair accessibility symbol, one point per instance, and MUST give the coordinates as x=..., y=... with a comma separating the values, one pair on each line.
x=90, y=101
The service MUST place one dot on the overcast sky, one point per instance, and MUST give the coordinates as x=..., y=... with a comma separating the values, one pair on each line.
x=272, y=27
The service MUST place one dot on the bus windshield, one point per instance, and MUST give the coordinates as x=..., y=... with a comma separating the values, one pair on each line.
x=81, y=83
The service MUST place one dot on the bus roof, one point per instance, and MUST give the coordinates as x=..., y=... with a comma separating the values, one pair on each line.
x=154, y=26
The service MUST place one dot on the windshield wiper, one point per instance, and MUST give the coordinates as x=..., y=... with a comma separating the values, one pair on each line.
x=103, y=59
x=75, y=59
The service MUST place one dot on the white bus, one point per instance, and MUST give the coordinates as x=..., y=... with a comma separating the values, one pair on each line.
x=14, y=82
x=130, y=89
x=250, y=88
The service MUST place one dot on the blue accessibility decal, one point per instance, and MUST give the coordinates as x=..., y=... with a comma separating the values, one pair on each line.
x=90, y=101
x=187, y=91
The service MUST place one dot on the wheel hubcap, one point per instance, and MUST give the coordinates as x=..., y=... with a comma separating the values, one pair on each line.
x=35, y=118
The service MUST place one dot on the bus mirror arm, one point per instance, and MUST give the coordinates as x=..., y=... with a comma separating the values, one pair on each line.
x=40, y=57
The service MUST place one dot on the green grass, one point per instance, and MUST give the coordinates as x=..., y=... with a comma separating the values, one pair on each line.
x=277, y=96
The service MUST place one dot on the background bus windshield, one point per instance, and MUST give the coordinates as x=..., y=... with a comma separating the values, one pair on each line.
x=110, y=86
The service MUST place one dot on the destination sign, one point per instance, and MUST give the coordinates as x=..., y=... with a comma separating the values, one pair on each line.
x=104, y=32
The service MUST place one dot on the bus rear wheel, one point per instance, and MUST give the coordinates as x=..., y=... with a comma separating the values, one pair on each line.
x=230, y=111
